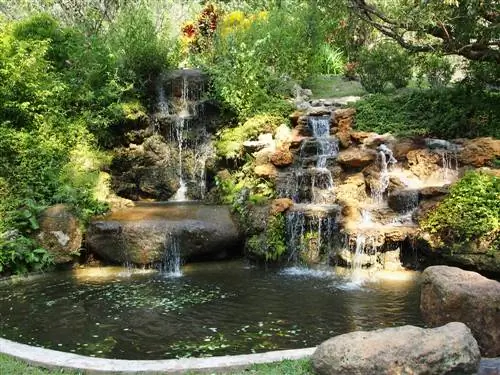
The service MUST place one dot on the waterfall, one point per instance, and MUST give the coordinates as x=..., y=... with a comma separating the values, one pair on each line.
x=449, y=162
x=386, y=158
x=181, y=120
x=309, y=233
x=357, y=259
x=295, y=230
x=323, y=148
x=171, y=263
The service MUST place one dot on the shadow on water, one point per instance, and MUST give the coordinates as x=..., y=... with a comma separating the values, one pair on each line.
x=213, y=309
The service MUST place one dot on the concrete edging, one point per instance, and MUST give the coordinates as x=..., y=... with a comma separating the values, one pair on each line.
x=53, y=359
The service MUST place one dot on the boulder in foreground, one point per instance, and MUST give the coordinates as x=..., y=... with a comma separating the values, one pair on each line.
x=450, y=349
x=452, y=294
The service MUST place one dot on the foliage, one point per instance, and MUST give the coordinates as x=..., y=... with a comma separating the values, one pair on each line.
x=445, y=113
x=469, y=212
x=384, y=63
x=467, y=27
x=254, y=63
x=437, y=69
x=230, y=140
x=330, y=60
x=60, y=93
x=270, y=245
x=242, y=187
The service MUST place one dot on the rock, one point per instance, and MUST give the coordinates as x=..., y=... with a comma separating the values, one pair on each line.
x=375, y=140
x=400, y=350
x=263, y=156
x=433, y=191
x=344, y=113
x=356, y=157
x=140, y=235
x=282, y=135
x=402, y=147
x=344, y=258
x=319, y=111
x=424, y=208
x=59, y=233
x=391, y=260
x=353, y=188
x=440, y=144
x=267, y=171
x=452, y=294
x=254, y=146
x=359, y=137
x=282, y=158
x=403, y=200
x=280, y=205
x=344, y=137
x=294, y=118
x=480, y=152
x=423, y=163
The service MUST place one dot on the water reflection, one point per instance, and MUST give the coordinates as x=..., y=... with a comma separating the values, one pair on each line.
x=213, y=309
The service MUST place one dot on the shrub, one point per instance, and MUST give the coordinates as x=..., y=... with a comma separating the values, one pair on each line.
x=447, y=112
x=437, y=69
x=254, y=63
x=469, y=212
x=384, y=63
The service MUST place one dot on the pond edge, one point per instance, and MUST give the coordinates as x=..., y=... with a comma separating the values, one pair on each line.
x=53, y=359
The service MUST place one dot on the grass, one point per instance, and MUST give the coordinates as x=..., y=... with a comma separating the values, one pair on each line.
x=334, y=87
x=12, y=366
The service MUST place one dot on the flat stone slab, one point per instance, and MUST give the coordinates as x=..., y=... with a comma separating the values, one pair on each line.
x=53, y=359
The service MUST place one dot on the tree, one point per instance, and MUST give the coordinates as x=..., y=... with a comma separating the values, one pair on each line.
x=469, y=28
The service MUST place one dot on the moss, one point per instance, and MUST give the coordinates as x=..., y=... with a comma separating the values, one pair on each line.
x=230, y=142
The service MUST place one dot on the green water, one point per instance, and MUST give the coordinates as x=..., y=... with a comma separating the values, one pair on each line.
x=213, y=309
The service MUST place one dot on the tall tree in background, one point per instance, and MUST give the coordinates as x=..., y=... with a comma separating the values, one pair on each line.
x=469, y=28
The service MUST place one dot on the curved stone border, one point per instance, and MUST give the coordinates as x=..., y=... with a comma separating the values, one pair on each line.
x=53, y=359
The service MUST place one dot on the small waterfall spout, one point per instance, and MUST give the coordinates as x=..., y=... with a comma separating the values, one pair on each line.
x=386, y=158
x=171, y=264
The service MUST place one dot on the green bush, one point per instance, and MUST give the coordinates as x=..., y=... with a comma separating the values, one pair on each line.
x=254, y=65
x=271, y=244
x=469, y=212
x=385, y=63
x=454, y=112
x=437, y=69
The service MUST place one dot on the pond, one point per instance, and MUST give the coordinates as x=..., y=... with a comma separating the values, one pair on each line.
x=212, y=309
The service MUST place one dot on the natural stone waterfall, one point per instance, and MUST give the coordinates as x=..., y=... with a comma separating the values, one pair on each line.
x=172, y=151
x=356, y=196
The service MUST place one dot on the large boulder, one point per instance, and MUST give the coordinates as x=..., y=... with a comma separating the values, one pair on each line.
x=356, y=157
x=452, y=294
x=423, y=163
x=141, y=235
x=480, y=151
x=450, y=349
x=59, y=233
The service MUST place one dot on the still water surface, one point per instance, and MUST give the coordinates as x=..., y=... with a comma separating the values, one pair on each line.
x=213, y=309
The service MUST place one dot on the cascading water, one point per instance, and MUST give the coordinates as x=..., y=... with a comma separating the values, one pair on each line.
x=180, y=122
x=171, y=264
x=180, y=114
x=326, y=149
x=309, y=234
x=386, y=158
x=357, y=258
